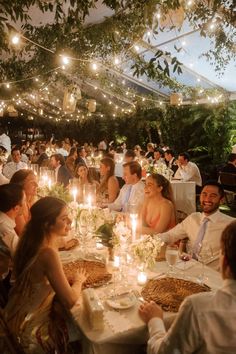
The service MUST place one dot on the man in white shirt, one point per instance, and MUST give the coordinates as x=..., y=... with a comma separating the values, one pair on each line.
x=133, y=190
x=187, y=171
x=15, y=165
x=206, y=322
x=210, y=198
x=12, y=199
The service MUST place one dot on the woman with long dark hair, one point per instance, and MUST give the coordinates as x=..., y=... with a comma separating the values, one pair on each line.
x=39, y=276
x=109, y=186
x=26, y=179
x=158, y=211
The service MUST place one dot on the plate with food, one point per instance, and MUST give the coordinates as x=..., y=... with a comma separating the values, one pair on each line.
x=122, y=301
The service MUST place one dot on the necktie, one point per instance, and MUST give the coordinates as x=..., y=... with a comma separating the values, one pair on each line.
x=126, y=197
x=201, y=233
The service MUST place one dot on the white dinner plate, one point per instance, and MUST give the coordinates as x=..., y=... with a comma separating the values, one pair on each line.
x=122, y=301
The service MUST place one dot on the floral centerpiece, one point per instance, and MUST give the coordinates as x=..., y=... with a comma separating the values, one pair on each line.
x=147, y=249
x=55, y=190
x=161, y=169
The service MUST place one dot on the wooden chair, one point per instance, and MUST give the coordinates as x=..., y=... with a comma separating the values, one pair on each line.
x=228, y=181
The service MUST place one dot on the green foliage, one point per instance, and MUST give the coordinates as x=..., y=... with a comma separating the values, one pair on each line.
x=105, y=233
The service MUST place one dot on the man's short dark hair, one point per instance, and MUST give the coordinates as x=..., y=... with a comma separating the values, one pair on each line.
x=228, y=246
x=216, y=184
x=10, y=195
x=80, y=149
x=170, y=152
x=185, y=155
x=130, y=153
x=232, y=157
x=16, y=148
x=134, y=167
x=59, y=157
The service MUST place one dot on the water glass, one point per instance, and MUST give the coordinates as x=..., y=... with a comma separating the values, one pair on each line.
x=171, y=255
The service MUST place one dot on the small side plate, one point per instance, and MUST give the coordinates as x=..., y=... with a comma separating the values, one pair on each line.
x=122, y=301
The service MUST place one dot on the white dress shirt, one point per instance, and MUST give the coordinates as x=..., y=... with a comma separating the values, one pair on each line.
x=7, y=232
x=190, y=172
x=136, y=197
x=11, y=167
x=205, y=324
x=189, y=227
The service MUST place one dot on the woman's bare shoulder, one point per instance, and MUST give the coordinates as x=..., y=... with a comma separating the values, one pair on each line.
x=48, y=255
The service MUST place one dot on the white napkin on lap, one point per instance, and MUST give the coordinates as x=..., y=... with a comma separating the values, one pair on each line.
x=118, y=322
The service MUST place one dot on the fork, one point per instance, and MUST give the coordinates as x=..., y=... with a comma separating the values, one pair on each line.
x=138, y=296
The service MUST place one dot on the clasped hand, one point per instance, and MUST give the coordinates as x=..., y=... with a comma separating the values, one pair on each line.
x=149, y=310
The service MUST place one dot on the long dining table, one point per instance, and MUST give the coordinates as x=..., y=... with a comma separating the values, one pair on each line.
x=124, y=331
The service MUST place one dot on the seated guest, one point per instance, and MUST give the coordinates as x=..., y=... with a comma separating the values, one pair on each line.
x=81, y=159
x=70, y=161
x=82, y=173
x=62, y=173
x=133, y=190
x=5, y=274
x=27, y=180
x=30, y=312
x=170, y=160
x=3, y=179
x=187, y=170
x=158, y=212
x=230, y=167
x=43, y=159
x=205, y=227
x=129, y=156
x=12, y=200
x=206, y=321
x=150, y=151
x=16, y=164
x=158, y=156
x=109, y=186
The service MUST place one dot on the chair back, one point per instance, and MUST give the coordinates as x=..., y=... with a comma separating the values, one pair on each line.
x=227, y=179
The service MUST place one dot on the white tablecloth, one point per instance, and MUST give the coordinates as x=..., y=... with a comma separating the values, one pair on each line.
x=184, y=196
x=116, y=340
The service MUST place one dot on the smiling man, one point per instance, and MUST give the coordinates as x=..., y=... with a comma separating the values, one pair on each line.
x=205, y=228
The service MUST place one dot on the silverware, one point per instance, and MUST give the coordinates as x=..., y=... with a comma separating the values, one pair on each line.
x=138, y=296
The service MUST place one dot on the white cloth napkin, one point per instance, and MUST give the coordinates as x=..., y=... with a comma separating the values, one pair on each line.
x=118, y=322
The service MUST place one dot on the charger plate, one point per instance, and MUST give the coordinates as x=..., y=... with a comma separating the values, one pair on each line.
x=169, y=292
x=97, y=272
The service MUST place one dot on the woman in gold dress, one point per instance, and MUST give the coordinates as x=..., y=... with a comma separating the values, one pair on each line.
x=30, y=312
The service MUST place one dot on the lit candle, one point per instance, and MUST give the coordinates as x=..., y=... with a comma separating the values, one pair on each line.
x=49, y=183
x=116, y=263
x=89, y=201
x=99, y=246
x=133, y=226
x=142, y=278
x=74, y=193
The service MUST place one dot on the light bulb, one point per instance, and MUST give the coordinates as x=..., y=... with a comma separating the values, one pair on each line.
x=15, y=39
x=116, y=61
x=65, y=60
x=94, y=66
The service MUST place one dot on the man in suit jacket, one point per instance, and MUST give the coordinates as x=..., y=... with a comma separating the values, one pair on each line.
x=170, y=160
x=62, y=173
x=81, y=156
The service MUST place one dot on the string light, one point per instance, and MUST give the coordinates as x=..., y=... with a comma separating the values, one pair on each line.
x=94, y=66
x=15, y=39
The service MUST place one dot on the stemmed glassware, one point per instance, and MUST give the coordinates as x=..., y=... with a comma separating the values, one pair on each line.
x=185, y=253
x=83, y=229
x=205, y=256
x=171, y=255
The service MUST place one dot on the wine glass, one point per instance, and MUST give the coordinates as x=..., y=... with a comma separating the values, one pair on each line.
x=185, y=253
x=171, y=255
x=205, y=256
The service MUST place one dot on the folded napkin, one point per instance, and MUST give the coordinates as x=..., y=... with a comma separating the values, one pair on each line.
x=118, y=322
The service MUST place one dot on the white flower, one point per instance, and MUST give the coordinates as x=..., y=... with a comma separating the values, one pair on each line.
x=147, y=249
